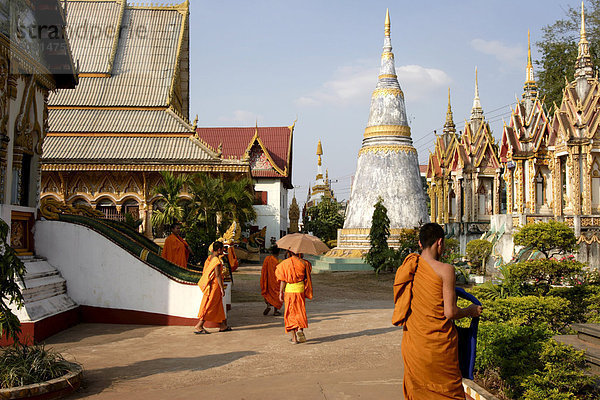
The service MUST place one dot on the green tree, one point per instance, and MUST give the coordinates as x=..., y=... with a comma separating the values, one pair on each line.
x=324, y=220
x=558, y=49
x=380, y=254
x=478, y=251
x=169, y=190
x=238, y=204
x=207, y=200
x=547, y=237
x=12, y=270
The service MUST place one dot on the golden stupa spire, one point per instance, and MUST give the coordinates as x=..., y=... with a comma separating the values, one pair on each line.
x=387, y=23
x=529, y=63
x=582, y=30
x=583, y=65
x=319, y=152
x=449, y=126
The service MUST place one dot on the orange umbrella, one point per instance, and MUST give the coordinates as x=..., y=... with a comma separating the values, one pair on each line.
x=302, y=243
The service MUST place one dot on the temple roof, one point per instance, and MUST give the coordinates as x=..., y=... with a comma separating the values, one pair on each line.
x=116, y=120
x=276, y=143
x=124, y=149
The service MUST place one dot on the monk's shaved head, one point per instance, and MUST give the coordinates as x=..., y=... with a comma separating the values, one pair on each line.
x=429, y=234
x=217, y=246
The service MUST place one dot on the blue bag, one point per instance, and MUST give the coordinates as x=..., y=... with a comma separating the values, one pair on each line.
x=467, y=339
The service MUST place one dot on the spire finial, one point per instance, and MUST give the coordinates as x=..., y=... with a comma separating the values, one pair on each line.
x=387, y=23
x=476, y=111
x=319, y=151
x=583, y=65
x=476, y=84
x=530, y=88
x=449, y=126
x=582, y=31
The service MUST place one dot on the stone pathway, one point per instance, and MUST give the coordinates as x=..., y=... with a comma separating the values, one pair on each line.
x=353, y=351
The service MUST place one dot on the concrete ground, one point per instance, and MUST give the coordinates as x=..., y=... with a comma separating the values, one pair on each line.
x=352, y=352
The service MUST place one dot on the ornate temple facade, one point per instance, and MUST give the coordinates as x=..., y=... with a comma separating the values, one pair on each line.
x=268, y=150
x=127, y=121
x=322, y=187
x=574, y=145
x=463, y=174
x=525, y=156
x=31, y=67
x=387, y=166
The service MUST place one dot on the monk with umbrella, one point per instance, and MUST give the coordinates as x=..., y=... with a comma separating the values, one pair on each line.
x=296, y=284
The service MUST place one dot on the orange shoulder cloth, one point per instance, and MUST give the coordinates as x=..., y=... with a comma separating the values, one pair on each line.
x=403, y=289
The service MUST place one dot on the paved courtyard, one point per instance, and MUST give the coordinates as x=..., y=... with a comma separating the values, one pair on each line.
x=353, y=351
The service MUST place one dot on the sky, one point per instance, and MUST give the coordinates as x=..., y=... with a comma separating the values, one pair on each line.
x=272, y=62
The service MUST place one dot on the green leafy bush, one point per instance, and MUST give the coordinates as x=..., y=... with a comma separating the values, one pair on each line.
x=380, y=256
x=584, y=299
x=547, y=237
x=478, y=251
x=511, y=351
x=12, y=269
x=324, y=220
x=24, y=365
x=451, y=251
x=538, y=275
x=552, y=312
x=562, y=377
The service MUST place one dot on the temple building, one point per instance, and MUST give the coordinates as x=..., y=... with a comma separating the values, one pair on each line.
x=127, y=121
x=525, y=156
x=387, y=166
x=464, y=174
x=322, y=187
x=31, y=67
x=575, y=146
x=268, y=150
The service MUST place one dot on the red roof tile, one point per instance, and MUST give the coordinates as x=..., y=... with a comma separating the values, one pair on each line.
x=277, y=141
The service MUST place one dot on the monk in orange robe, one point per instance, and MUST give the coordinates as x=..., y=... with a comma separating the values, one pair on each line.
x=269, y=284
x=295, y=287
x=233, y=261
x=176, y=250
x=213, y=291
x=425, y=305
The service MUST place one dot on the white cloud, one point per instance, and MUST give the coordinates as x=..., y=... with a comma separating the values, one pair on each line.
x=241, y=117
x=512, y=56
x=357, y=82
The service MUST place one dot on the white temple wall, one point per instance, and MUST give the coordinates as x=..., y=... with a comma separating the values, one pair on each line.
x=272, y=214
x=101, y=274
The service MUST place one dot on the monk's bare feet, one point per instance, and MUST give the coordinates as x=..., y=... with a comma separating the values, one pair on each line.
x=267, y=310
x=276, y=313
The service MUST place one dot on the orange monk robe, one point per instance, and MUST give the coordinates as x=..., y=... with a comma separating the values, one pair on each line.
x=294, y=270
x=429, y=340
x=176, y=250
x=233, y=261
x=211, y=307
x=269, y=284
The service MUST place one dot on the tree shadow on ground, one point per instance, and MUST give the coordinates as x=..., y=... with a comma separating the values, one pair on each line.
x=97, y=380
x=342, y=336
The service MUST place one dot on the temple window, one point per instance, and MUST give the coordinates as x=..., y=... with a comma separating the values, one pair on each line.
x=25, y=180
x=452, y=204
x=131, y=207
x=109, y=209
x=540, y=189
x=260, y=198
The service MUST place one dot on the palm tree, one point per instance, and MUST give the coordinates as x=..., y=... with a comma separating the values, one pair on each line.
x=207, y=199
x=239, y=200
x=172, y=209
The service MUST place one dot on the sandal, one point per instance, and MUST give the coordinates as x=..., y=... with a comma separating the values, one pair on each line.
x=228, y=329
x=267, y=310
x=276, y=313
x=202, y=332
x=301, y=337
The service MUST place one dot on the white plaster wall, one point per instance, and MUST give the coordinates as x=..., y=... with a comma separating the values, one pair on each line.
x=270, y=215
x=101, y=274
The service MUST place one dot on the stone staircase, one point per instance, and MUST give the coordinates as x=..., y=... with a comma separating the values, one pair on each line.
x=44, y=292
x=588, y=339
x=335, y=264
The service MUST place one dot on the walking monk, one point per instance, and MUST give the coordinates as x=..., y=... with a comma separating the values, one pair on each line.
x=213, y=291
x=425, y=305
x=176, y=250
x=296, y=284
x=232, y=258
x=269, y=284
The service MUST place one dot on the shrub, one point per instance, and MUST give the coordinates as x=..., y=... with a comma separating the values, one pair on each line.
x=540, y=274
x=584, y=299
x=562, y=377
x=380, y=256
x=12, y=269
x=451, y=251
x=553, y=312
x=511, y=351
x=324, y=219
x=478, y=251
x=24, y=365
x=547, y=237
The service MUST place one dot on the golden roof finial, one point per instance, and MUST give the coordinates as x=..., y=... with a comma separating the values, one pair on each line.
x=196, y=122
x=582, y=31
x=319, y=151
x=387, y=23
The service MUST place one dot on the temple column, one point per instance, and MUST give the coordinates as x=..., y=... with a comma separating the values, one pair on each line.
x=459, y=200
x=555, y=171
x=467, y=199
x=520, y=189
x=148, y=225
x=17, y=167
x=587, y=181
x=531, y=201
x=508, y=178
x=446, y=196
x=440, y=202
x=3, y=166
x=475, y=199
x=496, y=207
x=576, y=184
